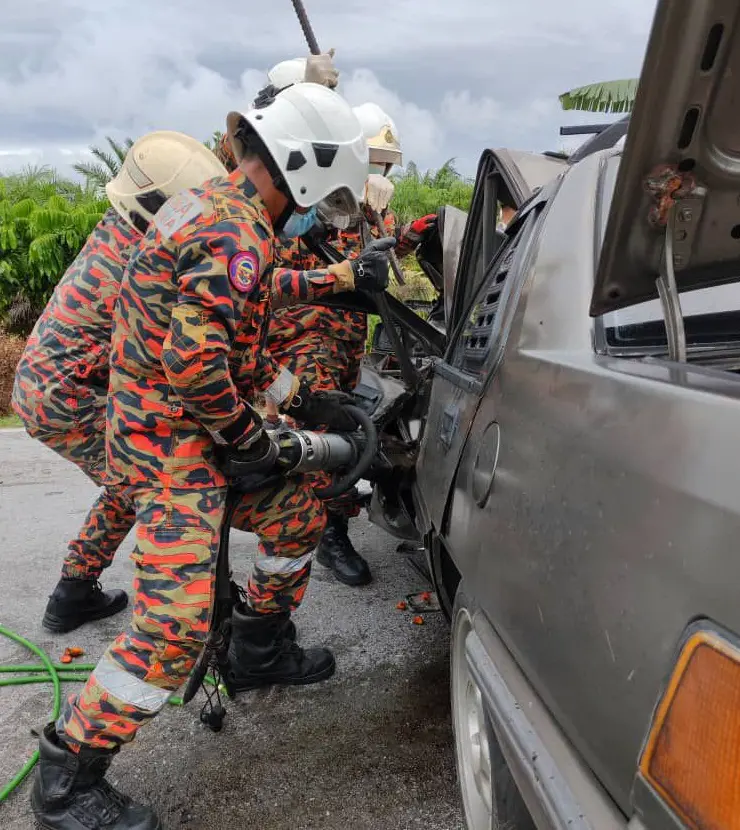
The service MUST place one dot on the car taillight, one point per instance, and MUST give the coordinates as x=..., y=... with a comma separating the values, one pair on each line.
x=691, y=757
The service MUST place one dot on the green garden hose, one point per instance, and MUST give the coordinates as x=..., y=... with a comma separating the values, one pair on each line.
x=52, y=673
x=47, y=672
x=60, y=667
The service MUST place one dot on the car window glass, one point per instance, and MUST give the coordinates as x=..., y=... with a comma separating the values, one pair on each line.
x=482, y=240
x=711, y=317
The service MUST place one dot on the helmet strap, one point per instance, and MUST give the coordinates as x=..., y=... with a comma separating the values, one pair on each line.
x=253, y=145
x=279, y=223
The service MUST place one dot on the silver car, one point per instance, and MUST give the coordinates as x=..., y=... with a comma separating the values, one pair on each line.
x=572, y=461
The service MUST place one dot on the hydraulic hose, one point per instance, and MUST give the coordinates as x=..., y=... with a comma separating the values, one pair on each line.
x=350, y=478
x=56, y=705
x=46, y=672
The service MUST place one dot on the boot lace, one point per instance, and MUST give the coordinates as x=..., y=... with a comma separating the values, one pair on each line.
x=102, y=804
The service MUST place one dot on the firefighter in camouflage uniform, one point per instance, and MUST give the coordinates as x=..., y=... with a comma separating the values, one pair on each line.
x=186, y=356
x=61, y=382
x=326, y=345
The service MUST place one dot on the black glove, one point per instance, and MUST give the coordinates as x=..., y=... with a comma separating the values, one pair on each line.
x=258, y=457
x=322, y=409
x=371, y=266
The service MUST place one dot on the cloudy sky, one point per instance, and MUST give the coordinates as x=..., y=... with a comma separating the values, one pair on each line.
x=457, y=75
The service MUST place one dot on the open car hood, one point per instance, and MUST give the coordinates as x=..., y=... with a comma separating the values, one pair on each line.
x=679, y=177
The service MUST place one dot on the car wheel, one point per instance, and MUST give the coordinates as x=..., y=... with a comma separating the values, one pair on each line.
x=491, y=799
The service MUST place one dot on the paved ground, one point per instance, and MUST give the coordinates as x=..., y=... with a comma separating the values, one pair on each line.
x=370, y=748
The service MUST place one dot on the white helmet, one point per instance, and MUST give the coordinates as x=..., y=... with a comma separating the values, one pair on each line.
x=157, y=166
x=314, y=139
x=380, y=133
x=287, y=73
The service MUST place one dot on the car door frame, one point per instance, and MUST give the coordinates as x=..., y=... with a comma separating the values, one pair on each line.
x=444, y=416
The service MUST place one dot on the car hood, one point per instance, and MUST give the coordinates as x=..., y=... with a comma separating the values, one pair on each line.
x=679, y=176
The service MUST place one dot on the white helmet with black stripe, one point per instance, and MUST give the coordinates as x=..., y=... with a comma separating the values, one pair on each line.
x=157, y=166
x=314, y=142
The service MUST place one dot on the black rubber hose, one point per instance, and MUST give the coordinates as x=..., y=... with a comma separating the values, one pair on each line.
x=350, y=478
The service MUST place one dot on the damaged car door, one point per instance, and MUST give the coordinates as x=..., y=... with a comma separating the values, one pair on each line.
x=504, y=178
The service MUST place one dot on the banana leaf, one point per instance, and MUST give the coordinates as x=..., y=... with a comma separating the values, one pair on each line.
x=608, y=96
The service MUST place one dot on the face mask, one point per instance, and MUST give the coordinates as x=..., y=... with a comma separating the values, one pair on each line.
x=377, y=168
x=298, y=224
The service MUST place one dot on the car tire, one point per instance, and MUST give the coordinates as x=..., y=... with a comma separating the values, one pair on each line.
x=491, y=798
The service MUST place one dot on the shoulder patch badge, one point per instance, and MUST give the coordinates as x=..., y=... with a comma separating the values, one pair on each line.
x=176, y=212
x=244, y=271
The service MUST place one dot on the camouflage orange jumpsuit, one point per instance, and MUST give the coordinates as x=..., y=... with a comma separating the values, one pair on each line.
x=61, y=385
x=321, y=344
x=186, y=357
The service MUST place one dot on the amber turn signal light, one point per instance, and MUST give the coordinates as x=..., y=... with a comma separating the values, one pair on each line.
x=692, y=754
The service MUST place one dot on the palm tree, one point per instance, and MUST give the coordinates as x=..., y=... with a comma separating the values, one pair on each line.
x=607, y=96
x=97, y=175
x=214, y=140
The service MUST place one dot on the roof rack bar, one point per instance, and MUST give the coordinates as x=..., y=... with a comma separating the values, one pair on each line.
x=584, y=129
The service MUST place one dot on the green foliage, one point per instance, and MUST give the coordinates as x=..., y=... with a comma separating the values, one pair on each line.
x=98, y=174
x=213, y=141
x=9, y=421
x=44, y=221
x=418, y=194
x=608, y=96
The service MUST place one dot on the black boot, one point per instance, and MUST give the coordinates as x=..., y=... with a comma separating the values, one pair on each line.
x=261, y=653
x=70, y=791
x=77, y=601
x=337, y=552
x=239, y=597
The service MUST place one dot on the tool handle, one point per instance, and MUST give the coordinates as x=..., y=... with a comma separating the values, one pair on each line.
x=300, y=10
x=395, y=264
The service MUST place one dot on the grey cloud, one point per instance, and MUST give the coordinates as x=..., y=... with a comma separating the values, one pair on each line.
x=457, y=76
x=27, y=127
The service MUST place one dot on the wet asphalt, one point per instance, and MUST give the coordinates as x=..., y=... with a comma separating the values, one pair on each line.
x=369, y=749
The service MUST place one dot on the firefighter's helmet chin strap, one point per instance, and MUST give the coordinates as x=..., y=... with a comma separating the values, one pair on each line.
x=252, y=143
x=279, y=223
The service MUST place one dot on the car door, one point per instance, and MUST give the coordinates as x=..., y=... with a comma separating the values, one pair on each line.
x=456, y=387
x=475, y=353
x=508, y=178
x=460, y=379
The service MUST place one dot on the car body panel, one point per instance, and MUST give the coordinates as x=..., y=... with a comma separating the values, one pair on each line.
x=560, y=789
